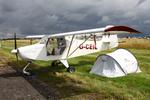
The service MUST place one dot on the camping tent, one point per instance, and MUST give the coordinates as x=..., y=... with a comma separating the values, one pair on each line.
x=115, y=64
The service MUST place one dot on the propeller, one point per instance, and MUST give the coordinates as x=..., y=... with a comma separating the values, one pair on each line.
x=15, y=43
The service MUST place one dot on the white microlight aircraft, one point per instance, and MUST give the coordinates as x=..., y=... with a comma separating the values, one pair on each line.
x=62, y=46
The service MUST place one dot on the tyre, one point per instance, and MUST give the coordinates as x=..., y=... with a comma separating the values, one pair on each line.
x=71, y=69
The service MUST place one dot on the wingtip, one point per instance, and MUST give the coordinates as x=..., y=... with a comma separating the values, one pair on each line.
x=122, y=28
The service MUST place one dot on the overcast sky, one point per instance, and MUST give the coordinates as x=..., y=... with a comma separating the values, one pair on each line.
x=51, y=16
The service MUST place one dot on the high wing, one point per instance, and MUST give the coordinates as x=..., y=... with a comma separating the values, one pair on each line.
x=108, y=29
x=34, y=36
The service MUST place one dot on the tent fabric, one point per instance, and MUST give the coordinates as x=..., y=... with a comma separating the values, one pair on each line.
x=118, y=63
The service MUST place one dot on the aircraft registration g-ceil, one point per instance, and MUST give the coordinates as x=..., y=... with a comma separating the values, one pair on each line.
x=62, y=46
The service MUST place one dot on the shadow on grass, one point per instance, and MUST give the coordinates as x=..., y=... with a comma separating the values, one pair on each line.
x=83, y=66
x=49, y=81
x=83, y=63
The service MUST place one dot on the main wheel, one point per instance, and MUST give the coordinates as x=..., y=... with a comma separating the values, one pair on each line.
x=71, y=69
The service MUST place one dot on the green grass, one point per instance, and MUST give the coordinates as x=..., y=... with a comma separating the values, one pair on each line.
x=82, y=85
x=135, y=43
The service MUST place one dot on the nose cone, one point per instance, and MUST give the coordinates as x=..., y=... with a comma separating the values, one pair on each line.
x=14, y=51
x=22, y=54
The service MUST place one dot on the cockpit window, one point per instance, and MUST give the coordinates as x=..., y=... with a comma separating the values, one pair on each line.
x=55, y=46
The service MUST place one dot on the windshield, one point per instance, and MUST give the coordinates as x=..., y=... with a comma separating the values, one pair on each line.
x=44, y=40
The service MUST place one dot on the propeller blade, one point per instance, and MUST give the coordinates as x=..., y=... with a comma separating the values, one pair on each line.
x=15, y=43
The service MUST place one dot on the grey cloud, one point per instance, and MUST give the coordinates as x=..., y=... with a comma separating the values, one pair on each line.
x=141, y=1
x=50, y=16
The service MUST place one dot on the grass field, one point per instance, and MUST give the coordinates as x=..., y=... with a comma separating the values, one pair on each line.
x=82, y=85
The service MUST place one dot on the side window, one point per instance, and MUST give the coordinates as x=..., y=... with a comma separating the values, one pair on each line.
x=90, y=37
x=51, y=45
x=55, y=46
x=61, y=45
x=98, y=38
x=81, y=37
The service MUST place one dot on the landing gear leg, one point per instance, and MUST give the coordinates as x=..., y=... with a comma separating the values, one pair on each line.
x=69, y=68
x=24, y=69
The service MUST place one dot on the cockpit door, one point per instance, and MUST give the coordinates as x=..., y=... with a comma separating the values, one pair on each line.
x=55, y=46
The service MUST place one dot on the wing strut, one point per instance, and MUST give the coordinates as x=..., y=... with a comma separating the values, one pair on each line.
x=95, y=40
x=70, y=46
x=79, y=45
